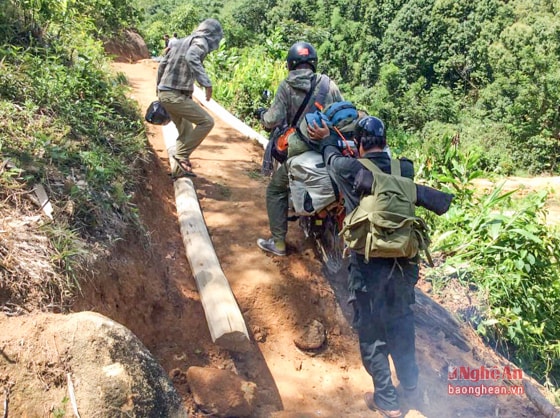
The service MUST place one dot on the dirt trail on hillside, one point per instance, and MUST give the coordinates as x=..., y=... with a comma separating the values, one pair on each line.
x=148, y=287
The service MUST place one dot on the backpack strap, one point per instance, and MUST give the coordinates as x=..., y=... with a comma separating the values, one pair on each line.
x=303, y=105
x=282, y=140
x=370, y=165
x=318, y=103
x=324, y=85
x=395, y=166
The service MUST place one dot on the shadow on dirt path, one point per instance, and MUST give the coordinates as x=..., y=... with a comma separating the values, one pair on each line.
x=147, y=285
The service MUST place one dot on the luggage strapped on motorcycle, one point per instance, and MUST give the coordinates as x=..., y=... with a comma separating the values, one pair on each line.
x=342, y=113
x=339, y=117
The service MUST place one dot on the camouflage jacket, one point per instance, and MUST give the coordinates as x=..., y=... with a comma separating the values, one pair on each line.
x=289, y=96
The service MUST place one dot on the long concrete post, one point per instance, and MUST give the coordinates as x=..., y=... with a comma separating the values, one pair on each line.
x=225, y=321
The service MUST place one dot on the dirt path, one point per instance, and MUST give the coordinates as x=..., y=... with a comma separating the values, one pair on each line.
x=524, y=185
x=156, y=296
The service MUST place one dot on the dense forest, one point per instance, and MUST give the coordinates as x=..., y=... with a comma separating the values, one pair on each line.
x=467, y=89
x=486, y=70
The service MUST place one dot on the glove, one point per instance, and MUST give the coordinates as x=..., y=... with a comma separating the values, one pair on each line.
x=432, y=199
x=332, y=140
x=259, y=112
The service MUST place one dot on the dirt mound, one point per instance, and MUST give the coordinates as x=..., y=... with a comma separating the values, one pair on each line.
x=128, y=46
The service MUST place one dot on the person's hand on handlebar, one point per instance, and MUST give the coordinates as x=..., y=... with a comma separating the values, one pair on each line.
x=259, y=112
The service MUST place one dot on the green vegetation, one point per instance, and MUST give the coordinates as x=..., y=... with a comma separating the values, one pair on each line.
x=67, y=125
x=503, y=248
x=488, y=70
x=466, y=88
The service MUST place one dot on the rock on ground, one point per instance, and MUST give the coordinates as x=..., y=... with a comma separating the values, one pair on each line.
x=221, y=393
x=48, y=359
x=312, y=338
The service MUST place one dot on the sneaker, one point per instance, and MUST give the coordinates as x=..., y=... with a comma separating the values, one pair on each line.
x=269, y=245
x=370, y=402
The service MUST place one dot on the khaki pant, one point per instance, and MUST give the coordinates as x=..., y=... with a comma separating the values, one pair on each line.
x=185, y=112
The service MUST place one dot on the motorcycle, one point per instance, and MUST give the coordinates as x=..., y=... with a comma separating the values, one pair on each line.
x=323, y=229
x=314, y=204
x=313, y=200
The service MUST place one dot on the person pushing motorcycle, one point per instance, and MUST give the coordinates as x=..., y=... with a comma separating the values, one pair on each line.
x=302, y=64
x=382, y=289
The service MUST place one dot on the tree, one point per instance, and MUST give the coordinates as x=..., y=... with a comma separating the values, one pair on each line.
x=527, y=85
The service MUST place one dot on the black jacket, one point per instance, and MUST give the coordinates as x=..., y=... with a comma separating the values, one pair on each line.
x=343, y=171
x=364, y=276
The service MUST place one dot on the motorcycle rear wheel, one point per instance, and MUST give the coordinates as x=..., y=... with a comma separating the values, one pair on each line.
x=329, y=246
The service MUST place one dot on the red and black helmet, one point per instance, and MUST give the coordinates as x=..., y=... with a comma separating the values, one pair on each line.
x=302, y=53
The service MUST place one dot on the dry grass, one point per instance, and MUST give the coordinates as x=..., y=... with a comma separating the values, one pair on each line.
x=28, y=277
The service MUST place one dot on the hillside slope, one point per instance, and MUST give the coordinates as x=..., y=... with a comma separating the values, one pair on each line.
x=148, y=287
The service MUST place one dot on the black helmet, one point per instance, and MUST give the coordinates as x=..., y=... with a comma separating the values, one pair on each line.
x=301, y=53
x=370, y=132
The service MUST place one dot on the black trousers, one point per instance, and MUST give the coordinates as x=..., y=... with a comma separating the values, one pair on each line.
x=385, y=324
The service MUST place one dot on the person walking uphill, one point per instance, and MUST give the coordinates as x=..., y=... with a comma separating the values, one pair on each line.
x=382, y=289
x=177, y=72
x=291, y=95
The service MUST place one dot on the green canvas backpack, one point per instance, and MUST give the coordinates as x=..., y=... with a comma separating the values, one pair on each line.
x=384, y=224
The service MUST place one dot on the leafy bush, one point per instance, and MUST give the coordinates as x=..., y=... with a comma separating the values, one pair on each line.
x=68, y=126
x=251, y=72
x=504, y=248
